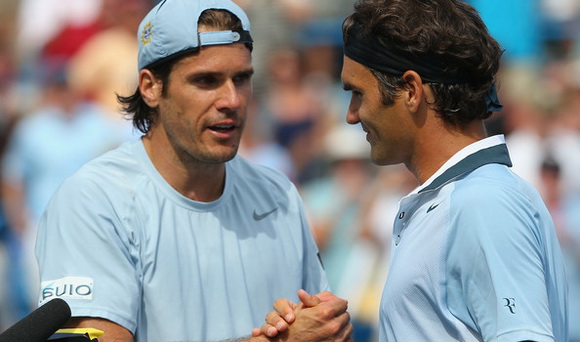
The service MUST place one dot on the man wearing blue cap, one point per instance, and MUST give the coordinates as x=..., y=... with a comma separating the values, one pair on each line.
x=173, y=237
x=474, y=254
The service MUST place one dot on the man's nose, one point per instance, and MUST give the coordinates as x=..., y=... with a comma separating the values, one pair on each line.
x=229, y=96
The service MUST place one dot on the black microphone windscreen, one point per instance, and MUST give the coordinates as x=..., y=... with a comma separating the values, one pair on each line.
x=39, y=325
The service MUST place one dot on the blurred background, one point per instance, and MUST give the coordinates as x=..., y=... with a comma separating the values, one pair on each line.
x=61, y=63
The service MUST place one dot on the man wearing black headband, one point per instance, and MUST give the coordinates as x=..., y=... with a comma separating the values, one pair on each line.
x=474, y=254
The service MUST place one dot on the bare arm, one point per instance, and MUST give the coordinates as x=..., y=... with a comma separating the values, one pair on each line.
x=113, y=331
x=319, y=318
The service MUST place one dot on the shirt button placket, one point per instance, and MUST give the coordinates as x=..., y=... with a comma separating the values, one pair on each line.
x=398, y=236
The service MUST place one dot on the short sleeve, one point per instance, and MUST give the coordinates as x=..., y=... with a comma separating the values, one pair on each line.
x=495, y=266
x=86, y=254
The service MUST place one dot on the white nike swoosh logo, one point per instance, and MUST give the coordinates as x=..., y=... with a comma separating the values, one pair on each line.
x=259, y=217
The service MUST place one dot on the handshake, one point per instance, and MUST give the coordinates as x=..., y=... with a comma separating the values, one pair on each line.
x=321, y=317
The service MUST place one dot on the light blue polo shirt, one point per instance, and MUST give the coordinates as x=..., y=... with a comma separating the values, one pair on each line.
x=118, y=242
x=475, y=257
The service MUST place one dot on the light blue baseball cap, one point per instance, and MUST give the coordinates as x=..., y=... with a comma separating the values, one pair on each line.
x=170, y=28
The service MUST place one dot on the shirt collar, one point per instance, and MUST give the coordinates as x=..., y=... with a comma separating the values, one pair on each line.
x=492, y=150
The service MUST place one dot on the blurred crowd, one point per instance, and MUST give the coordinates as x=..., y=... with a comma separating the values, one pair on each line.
x=62, y=62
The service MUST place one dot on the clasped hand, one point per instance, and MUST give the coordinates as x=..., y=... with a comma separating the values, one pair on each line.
x=317, y=318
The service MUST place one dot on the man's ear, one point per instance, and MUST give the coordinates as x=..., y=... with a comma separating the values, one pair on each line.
x=414, y=93
x=150, y=87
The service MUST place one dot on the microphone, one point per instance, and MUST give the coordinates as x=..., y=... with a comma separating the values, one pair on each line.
x=39, y=325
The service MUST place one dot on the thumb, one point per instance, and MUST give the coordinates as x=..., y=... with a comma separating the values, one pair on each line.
x=309, y=300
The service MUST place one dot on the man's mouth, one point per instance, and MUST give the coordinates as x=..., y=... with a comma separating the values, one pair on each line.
x=222, y=128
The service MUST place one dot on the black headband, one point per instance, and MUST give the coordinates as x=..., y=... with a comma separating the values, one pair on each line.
x=371, y=53
x=368, y=51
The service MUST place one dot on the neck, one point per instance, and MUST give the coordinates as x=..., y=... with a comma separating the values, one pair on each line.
x=198, y=181
x=439, y=142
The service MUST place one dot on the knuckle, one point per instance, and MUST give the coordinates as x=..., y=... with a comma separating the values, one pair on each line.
x=326, y=312
x=334, y=327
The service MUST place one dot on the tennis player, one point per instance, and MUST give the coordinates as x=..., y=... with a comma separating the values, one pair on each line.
x=474, y=254
x=173, y=237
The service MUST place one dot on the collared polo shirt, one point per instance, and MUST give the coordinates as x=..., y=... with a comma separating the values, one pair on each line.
x=475, y=257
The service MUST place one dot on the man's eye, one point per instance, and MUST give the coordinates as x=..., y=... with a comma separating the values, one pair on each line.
x=241, y=79
x=206, y=80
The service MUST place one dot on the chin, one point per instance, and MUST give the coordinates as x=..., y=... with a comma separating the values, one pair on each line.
x=382, y=161
x=377, y=159
x=224, y=156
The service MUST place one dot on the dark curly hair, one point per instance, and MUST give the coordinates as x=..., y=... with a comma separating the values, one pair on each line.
x=450, y=28
x=135, y=108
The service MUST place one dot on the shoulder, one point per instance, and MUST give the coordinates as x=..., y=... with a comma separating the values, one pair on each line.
x=258, y=184
x=113, y=172
x=493, y=186
x=492, y=203
x=260, y=175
